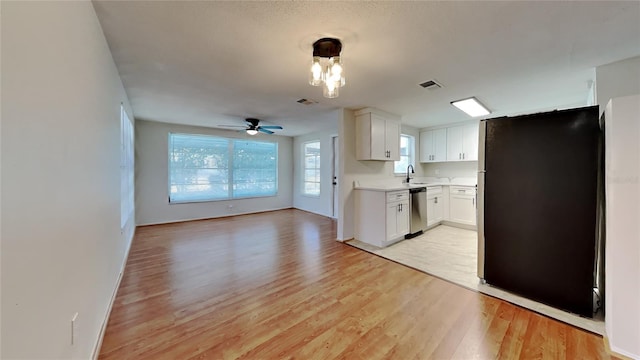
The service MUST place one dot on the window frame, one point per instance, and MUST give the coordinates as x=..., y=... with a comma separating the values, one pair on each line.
x=230, y=153
x=411, y=156
x=304, y=169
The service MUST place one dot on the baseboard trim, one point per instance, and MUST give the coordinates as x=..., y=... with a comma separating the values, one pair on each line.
x=458, y=225
x=611, y=352
x=103, y=328
x=214, y=217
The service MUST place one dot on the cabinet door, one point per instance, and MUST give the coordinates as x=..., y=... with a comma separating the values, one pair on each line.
x=403, y=219
x=439, y=151
x=431, y=211
x=454, y=143
x=392, y=222
x=426, y=145
x=470, y=142
x=438, y=209
x=435, y=210
x=392, y=140
x=462, y=209
x=378, y=138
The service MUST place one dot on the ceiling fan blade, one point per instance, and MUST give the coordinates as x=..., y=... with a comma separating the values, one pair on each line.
x=261, y=129
x=278, y=127
x=233, y=126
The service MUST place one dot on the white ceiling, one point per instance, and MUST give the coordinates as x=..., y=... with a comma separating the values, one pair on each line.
x=209, y=63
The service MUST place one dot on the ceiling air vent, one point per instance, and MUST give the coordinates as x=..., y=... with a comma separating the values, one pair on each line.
x=431, y=85
x=307, y=102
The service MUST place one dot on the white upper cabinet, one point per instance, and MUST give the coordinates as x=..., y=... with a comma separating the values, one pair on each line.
x=433, y=145
x=392, y=139
x=462, y=143
x=377, y=136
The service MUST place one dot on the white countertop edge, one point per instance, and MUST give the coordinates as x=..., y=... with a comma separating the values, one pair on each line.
x=398, y=187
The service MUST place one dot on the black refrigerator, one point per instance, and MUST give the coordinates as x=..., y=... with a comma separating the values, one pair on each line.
x=539, y=181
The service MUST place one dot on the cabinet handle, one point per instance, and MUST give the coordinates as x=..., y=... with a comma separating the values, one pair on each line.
x=462, y=156
x=436, y=200
x=459, y=156
x=461, y=191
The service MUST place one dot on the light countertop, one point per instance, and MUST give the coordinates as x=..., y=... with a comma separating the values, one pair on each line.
x=395, y=186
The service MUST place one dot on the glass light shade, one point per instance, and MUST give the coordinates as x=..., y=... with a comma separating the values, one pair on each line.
x=252, y=131
x=329, y=90
x=315, y=73
x=337, y=71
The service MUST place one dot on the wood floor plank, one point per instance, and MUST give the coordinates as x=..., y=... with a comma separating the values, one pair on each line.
x=277, y=285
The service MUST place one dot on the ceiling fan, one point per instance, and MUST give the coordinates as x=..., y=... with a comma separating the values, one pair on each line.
x=253, y=126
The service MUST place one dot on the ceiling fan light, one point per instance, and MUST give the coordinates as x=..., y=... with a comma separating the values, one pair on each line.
x=252, y=131
x=471, y=106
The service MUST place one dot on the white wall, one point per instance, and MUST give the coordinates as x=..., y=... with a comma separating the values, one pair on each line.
x=622, y=253
x=617, y=79
x=323, y=204
x=468, y=169
x=152, y=176
x=62, y=249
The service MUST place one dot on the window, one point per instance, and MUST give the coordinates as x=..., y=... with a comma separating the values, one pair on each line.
x=406, y=154
x=209, y=168
x=311, y=168
x=126, y=168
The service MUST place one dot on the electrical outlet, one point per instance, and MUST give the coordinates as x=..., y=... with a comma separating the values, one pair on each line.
x=230, y=208
x=437, y=171
x=74, y=329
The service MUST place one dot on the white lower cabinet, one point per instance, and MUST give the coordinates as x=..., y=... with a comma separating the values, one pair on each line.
x=397, y=220
x=382, y=218
x=435, y=205
x=462, y=205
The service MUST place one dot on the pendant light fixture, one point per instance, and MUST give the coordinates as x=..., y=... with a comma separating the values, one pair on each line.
x=326, y=67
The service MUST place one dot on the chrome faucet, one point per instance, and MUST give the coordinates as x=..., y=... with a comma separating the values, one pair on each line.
x=412, y=171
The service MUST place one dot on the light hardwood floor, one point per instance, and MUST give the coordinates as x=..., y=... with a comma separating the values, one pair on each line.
x=277, y=285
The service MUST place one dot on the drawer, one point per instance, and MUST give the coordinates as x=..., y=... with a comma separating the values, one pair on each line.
x=397, y=195
x=434, y=190
x=462, y=190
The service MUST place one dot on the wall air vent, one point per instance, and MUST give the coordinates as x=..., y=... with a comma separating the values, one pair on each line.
x=431, y=85
x=307, y=101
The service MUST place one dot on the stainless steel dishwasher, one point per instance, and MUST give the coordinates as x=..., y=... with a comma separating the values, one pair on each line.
x=418, y=217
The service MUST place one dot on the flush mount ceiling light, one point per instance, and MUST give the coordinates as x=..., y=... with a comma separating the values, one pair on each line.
x=326, y=67
x=471, y=106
